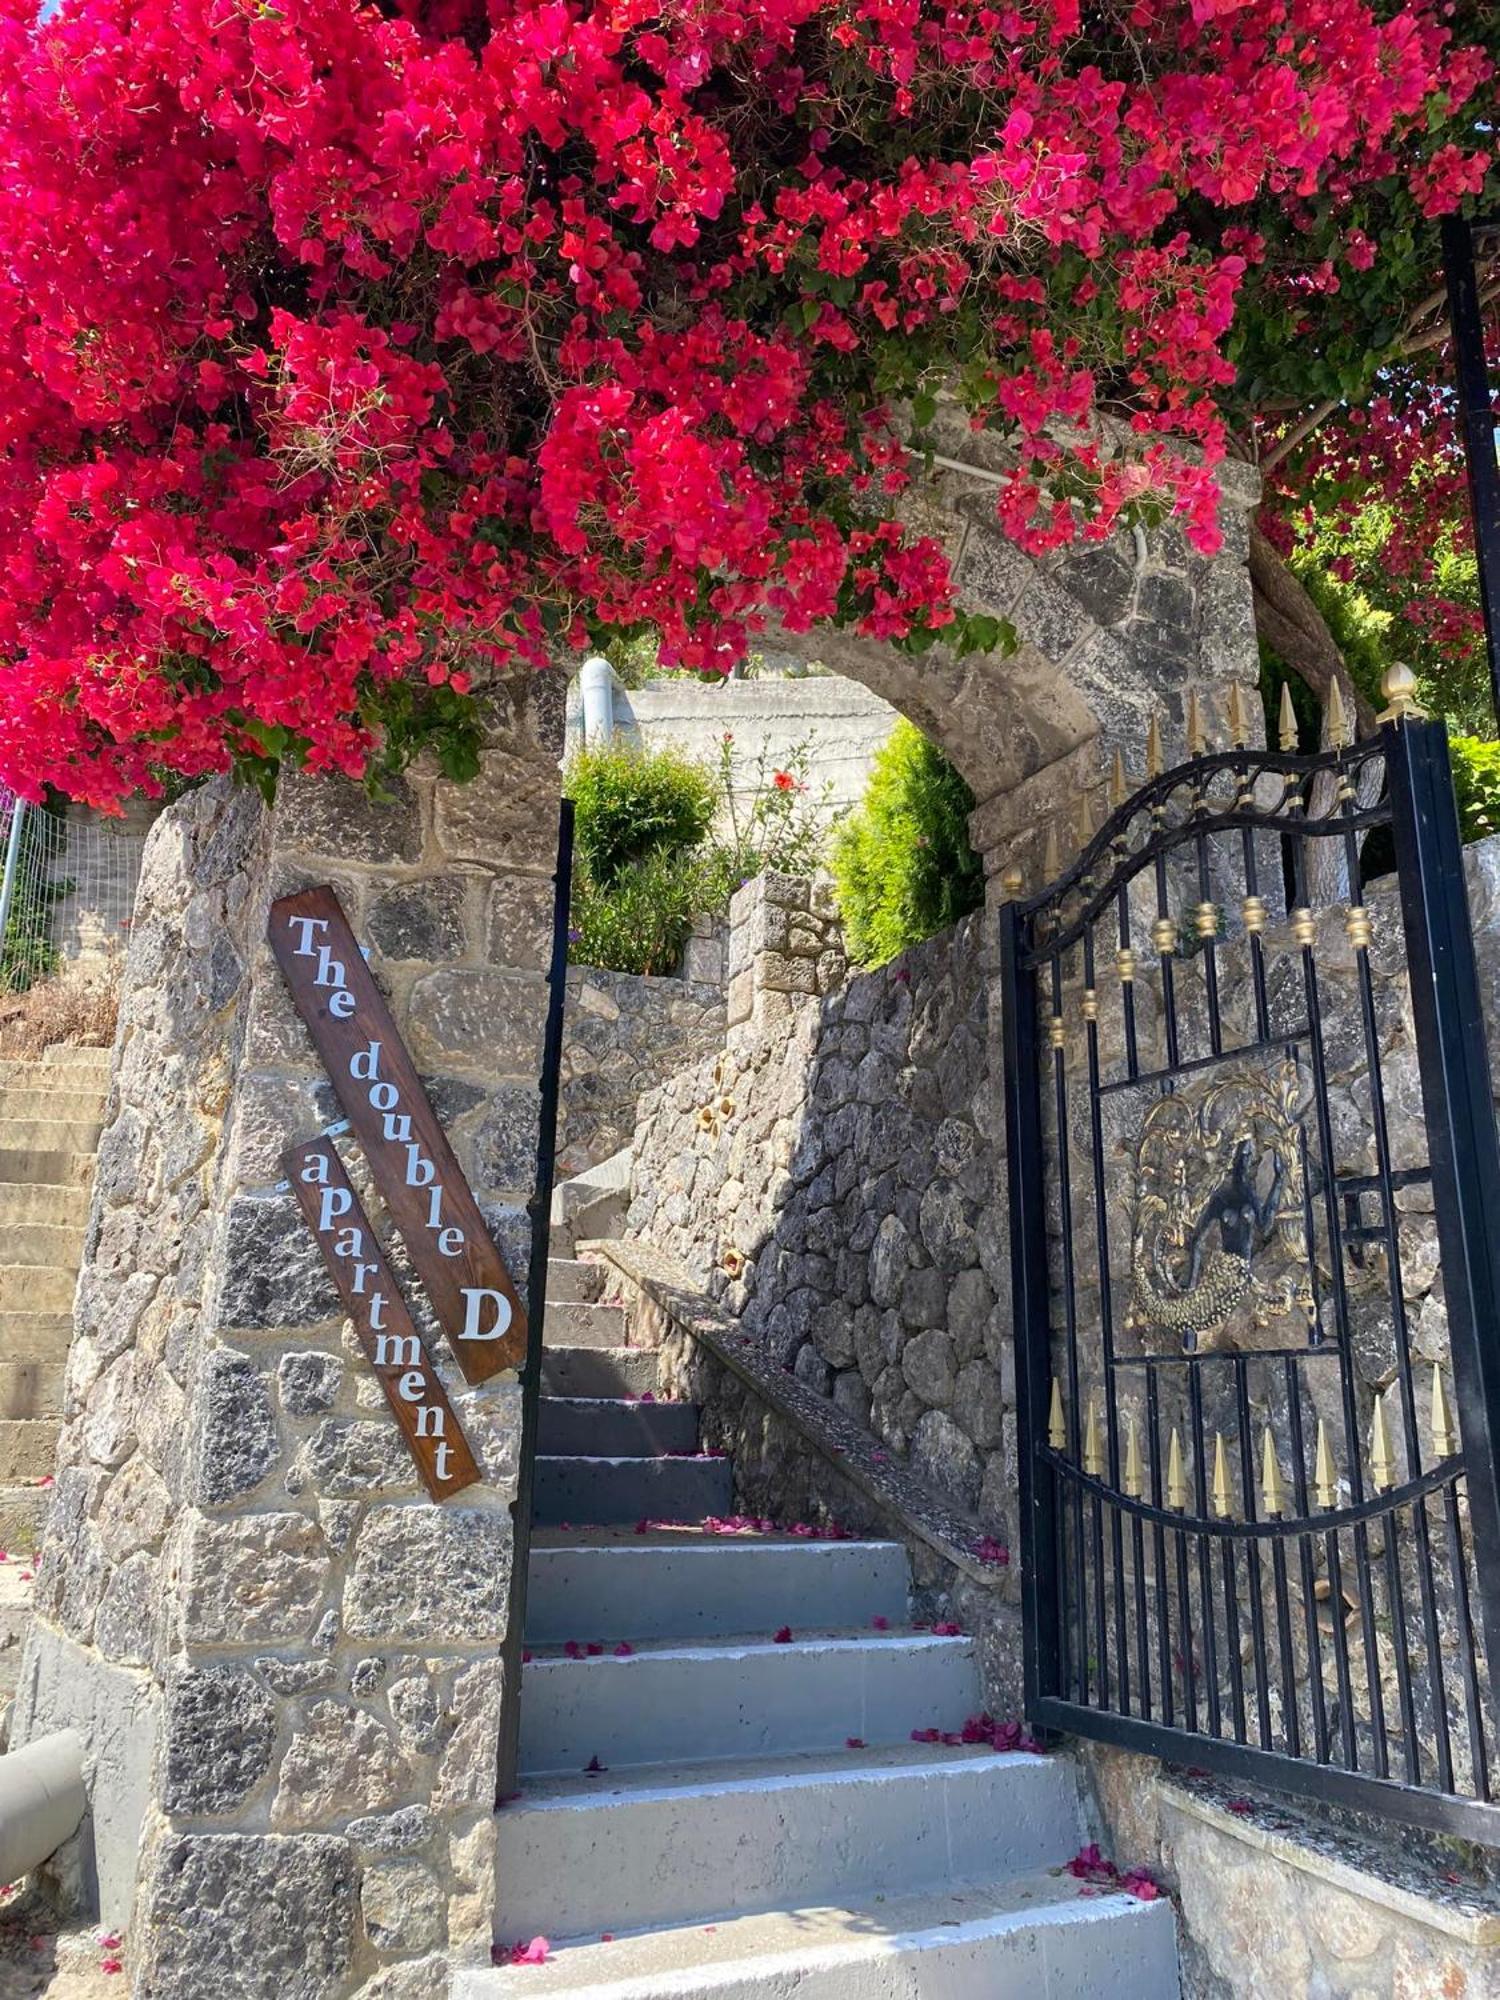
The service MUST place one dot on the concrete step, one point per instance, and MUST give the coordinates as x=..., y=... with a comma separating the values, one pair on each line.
x=603, y=1490
x=35, y=1336
x=584, y=1426
x=56, y=1246
x=31, y=1388
x=36, y=1202
x=71, y=1056
x=600, y=1371
x=679, y=1704
x=1035, y=1936
x=23, y=1517
x=684, y=1845
x=708, y=1587
x=50, y=1135
x=577, y=1325
x=29, y=1164
x=53, y=1103
x=28, y=1447
x=571, y=1281
x=34, y=1288
x=49, y=1073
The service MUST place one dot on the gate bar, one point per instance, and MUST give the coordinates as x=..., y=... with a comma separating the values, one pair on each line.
x=1464, y=1150
x=540, y=1208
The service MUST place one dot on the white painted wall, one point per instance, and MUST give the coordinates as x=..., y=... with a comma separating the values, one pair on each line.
x=845, y=723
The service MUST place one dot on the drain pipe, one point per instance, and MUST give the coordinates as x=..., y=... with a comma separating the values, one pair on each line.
x=596, y=679
x=42, y=1801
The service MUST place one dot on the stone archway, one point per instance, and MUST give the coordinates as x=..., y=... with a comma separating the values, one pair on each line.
x=288, y=1666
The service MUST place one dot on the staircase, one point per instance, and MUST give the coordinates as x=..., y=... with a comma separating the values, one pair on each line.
x=721, y=1797
x=50, y=1114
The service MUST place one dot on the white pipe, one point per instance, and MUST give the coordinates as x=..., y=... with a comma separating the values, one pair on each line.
x=41, y=1801
x=596, y=679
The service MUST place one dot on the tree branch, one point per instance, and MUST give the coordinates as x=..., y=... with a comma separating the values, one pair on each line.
x=1289, y=622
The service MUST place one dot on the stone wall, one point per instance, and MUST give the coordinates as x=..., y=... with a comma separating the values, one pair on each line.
x=623, y=1033
x=833, y=1177
x=287, y=1657
x=1276, y=1904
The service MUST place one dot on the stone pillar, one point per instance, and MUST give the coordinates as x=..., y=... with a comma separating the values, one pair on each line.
x=285, y=1656
x=785, y=942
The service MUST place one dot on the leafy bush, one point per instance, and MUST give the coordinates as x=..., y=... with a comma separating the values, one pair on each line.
x=631, y=804
x=640, y=921
x=1476, y=779
x=902, y=863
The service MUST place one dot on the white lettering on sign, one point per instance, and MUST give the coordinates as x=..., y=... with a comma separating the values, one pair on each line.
x=474, y=1298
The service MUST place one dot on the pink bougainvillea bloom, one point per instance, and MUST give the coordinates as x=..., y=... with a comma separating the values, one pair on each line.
x=880, y=1624
x=594, y=1766
x=854, y=1743
x=537, y=1952
x=782, y=1637
x=946, y=1629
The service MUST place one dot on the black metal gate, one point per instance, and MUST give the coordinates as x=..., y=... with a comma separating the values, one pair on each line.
x=1255, y=1230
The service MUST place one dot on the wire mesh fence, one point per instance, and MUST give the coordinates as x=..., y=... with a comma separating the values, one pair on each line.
x=66, y=892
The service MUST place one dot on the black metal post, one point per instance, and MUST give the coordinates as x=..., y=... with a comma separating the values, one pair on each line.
x=1031, y=1320
x=540, y=1210
x=1476, y=410
x=1460, y=1116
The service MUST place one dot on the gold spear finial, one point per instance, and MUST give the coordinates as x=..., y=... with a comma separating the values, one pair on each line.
x=1272, y=1494
x=1093, y=1456
x=1085, y=820
x=1239, y=728
x=1338, y=721
x=1399, y=686
x=1325, y=1472
x=1134, y=1484
x=1223, y=1497
x=1012, y=881
x=1119, y=790
x=1286, y=721
x=1382, y=1462
x=1057, y=1430
x=1177, y=1486
x=1444, y=1437
x=1154, y=764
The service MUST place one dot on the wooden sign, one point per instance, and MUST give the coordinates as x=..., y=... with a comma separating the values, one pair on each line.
x=381, y=1317
x=376, y=1082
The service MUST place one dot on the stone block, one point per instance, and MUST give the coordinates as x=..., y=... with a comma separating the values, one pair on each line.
x=927, y=1363
x=349, y=1459
x=519, y=923
x=308, y=1382
x=126, y=1619
x=237, y=1439
x=134, y=1512
x=248, y=1917
x=488, y=1020
x=336, y=819
x=219, y=1728
x=341, y=1762
x=425, y=920
x=274, y=1274
x=404, y=1907
x=941, y=1453
x=260, y=1577
x=425, y=1576
x=507, y=818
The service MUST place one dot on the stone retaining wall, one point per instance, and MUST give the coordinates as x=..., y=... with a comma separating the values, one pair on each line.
x=833, y=1177
x=623, y=1033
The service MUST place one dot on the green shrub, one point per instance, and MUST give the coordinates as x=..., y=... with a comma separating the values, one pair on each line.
x=1476, y=779
x=640, y=921
x=902, y=863
x=629, y=804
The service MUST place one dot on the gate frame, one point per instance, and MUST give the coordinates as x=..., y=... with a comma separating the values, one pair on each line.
x=1464, y=1164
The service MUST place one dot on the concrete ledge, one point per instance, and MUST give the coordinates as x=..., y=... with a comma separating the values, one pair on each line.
x=1464, y=1909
